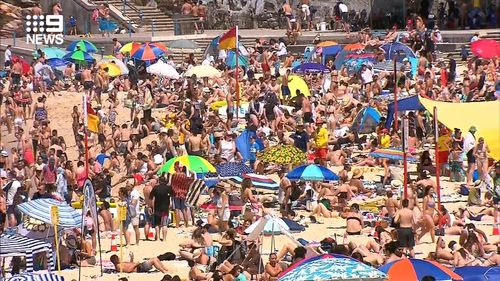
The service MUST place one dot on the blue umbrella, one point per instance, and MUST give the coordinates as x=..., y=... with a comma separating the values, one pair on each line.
x=311, y=67
x=396, y=47
x=478, y=273
x=78, y=57
x=312, y=172
x=56, y=62
x=231, y=60
x=83, y=45
x=231, y=169
x=40, y=209
x=328, y=267
x=340, y=58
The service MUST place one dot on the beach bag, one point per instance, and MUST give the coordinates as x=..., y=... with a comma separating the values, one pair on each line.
x=464, y=190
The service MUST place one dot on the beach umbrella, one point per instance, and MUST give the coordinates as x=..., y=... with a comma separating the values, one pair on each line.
x=163, y=69
x=311, y=67
x=127, y=48
x=147, y=51
x=269, y=225
x=183, y=44
x=415, y=269
x=326, y=44
x=78, y=57
x=340, y=58
x=387, y=66
x=312, y=172
x=295, y=83
x=478, y=273
x=391, y=154
x=40, y=209
x=258, y=181
x=486, y=48
x=231, y=169
x=396, y=47
x=329, y=267
x=123, y=67
x=56, y=62
x=231, y=60
x=202, y=71
x=354, y=47
x=36, y=277
x=193, y=163
x=113, y=69
x=282, y=155
x=84, y=45
x=51, y=52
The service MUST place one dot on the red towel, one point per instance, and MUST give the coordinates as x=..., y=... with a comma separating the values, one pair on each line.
x=180, y=185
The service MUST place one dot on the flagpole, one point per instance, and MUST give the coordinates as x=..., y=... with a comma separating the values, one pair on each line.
x=237, y=74
x=436, y=152
x=85, y=131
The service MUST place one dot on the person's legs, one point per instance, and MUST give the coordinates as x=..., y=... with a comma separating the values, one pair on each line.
x=158, y=265
x=287, y=248
x=137, y=234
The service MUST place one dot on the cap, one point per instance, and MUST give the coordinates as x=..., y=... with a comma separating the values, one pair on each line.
x=157, y=159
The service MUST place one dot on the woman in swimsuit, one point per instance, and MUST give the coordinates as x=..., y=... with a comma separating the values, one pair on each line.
x=481, y=151
x=443, y=255
x=427, y=221
x=39, y=110
x=75, y=116
x=354, y=220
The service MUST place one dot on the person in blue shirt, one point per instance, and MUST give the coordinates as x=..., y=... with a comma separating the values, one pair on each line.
x=300, y=138
x=254, y=147
x=101, y=157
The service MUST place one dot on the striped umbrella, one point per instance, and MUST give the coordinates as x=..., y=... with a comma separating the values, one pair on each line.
x=36, y=277
x=40, y=209
x=84, y=45
x=392, y=154
x=193, y=163
x=127, y=48
x=16, y=245
x=147, y=51
x=258, y=181
x=282, y=154
x=415, y=269
x=312, y=172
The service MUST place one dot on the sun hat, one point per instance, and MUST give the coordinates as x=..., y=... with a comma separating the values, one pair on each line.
x=396, y=183
x=357, y=173
x=157, y=159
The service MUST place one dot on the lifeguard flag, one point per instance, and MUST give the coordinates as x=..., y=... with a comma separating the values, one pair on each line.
x=228, y=40
x=92, y=119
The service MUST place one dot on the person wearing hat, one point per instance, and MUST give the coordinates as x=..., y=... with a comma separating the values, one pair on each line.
x=321, y=137
x=469, y=143
x=356, y=183
x=300, y=137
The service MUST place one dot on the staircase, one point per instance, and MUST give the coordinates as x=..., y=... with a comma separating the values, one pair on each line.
x=494, y=35
x=142, y=15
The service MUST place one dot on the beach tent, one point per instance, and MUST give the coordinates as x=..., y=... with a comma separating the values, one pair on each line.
x=15, y=246
x=478, y=273
x=243, y=143
x=366, y=121
x=329, y=52
x=406, y=104
x=485, y=116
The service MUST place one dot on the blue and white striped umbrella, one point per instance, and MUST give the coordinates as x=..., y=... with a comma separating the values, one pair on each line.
x=40, y=209
x=36, y=277
x=312, y=172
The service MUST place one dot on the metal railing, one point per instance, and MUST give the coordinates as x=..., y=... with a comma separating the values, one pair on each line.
x=125, y=4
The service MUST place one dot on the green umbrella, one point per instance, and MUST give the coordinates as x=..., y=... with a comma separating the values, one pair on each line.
x=78, y=57
x=83, y=45
x=193, y=163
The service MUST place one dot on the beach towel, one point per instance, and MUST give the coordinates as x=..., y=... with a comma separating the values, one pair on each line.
x=294, y=226
x=180, y=184
x=194, y=192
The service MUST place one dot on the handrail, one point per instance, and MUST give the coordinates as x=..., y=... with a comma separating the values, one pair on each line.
x=135, y=9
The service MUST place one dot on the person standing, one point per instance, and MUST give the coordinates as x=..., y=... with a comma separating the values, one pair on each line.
x=469, y=143
x=160, y=200
x=287, y=10
x=321, y=141
x=134, y=208
x=406, y=237
x=8, y=56
x=480, y=152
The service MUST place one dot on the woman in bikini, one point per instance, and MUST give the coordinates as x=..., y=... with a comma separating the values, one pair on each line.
x=481, y=151
x=75, y=125
x=354, y=220
x=39, y=110
x=427, y=220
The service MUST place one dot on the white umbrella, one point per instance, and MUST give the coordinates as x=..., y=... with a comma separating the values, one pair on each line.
x=202, y=71
x=162, y=69
x=269, y=224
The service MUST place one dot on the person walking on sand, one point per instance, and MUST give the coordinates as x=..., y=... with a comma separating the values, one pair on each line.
x=469, y=143
x=406, y=237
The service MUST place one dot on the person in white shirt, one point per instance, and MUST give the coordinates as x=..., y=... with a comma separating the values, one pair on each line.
x=8, y=56
x=344, y=14
x=281, y=51
x=469, y=143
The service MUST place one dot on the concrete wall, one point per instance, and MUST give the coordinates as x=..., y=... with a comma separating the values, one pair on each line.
x=80, y=9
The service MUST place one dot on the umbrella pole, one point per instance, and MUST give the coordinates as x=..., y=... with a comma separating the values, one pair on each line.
x=395, y=96
x=85, y=131
x=82, y=236
x=237, y=74
x=436, y=155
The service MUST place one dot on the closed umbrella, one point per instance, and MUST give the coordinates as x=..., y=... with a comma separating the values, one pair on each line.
x=162, y=69
x=183, y=44
x=83, y=45
x=329, y=267
x=40, y=209
x=415, y=269
x=202, y=71
x=312, y=172
x=486, y=48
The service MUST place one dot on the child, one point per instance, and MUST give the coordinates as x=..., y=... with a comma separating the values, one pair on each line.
x=254, y=147
x=456, y=162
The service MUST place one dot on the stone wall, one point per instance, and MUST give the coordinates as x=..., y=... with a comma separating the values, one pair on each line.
x=12, y=14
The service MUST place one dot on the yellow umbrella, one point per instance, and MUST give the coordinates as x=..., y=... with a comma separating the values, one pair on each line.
x=202, y=71
x=297, y=83
x=128, y=47
x=326, y=44
x=113, y=69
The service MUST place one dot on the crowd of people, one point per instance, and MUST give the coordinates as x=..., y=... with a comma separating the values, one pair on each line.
x=166, y=118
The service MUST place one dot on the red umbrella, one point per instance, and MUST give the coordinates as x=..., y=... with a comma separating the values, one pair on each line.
x=26, y=66
x=486, y=48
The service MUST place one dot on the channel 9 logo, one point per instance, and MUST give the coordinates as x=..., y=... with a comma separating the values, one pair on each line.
x=44, y=30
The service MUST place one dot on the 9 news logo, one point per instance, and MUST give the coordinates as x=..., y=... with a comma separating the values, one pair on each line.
x=44, y=30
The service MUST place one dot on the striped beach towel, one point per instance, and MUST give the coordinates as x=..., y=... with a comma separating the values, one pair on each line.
x=186, y=188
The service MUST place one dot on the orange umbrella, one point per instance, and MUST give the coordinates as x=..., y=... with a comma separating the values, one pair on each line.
x=326, y=44
x=354, y=47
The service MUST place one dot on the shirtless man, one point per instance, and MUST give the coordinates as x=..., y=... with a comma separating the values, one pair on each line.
x=287, y=10
x=88, y=82
x=186, y=8
x=194, y=143
x=123, y=136
x=195, y=14
x=405, y=218
x=391, y=204
x=272, y=268
x=18, y=117
x=16, y=72
x=37, y=10
x=149, y=206
x=306, y=110
x=284, y=192
x=202, y=13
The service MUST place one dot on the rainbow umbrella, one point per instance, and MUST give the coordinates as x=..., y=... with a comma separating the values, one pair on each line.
x=330, y=267
x=312, y=172
x=392, y=154
x=147, y=51
x=193, y=163
x=127, y=48
x=415, y=269
x=486, y=48
x=84, y=45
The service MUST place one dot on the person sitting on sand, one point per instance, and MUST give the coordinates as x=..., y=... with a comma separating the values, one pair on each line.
x=272, y=268
x=443, y=255
x=354, y=220
x=139, y=267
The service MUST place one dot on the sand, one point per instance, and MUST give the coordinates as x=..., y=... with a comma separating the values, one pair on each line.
x=60, y=108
